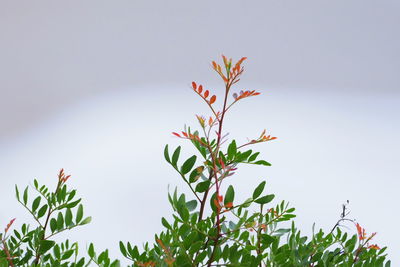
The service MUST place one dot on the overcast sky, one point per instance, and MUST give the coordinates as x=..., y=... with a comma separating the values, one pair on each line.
x=96, y=87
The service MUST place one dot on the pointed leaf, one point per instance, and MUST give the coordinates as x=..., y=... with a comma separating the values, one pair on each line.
x=45, y=245
x=25, y=196
x=265, y=199
x=79, y=214
x=86, y=220
x=259, y=189
x=188, y=164
x=68, y=217
x=262, y=162
x=175, y=155
x=42, y=211
x=166, y=154
x=35, y=203
x=232, y=150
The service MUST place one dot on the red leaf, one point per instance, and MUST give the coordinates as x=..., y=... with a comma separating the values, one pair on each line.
x=229, y=205
x=212, y=100
x=200, y=89
x=176, y=134
x=185, y=134
x=194, y=85
x=9, y=225
x=206, y=93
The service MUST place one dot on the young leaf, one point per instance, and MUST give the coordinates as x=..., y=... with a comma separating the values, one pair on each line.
x=86, y=220
x=259, y=189
x=188, y=164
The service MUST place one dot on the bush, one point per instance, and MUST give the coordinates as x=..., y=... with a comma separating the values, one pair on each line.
x=208, y=228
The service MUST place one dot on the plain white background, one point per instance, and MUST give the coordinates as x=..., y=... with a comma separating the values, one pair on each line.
x=96, y=87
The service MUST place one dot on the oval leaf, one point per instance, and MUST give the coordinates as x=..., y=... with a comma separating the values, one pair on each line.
x=230, y=195
x=265, y=199
x=259, y=189
x=188, y=164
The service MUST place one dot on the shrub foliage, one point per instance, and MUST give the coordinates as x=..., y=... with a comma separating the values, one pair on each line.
x=209, y=227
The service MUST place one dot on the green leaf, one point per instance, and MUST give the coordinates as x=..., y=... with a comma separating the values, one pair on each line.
x=212, y=204
x=45, y=245
x=253, y=157
x=188, y=164
x=196, y=174
x=16, y=192
x=60, y=221
x=35, y=203
x=232, y=150
x=243, y=156
x=68, y=217
x=25, y=196
x=91, y=252
x=183, y=212
x=265, y=199
x=86, y=220
x=35, y=183
x=166, y=154
x=53, y=225
x=230, y=195
x=293, y=209
x=71, y=204
x=56, y=251
x=203, y=186
x=165, y=223
x=3, y=262
x=67, y=254
x=262, y=162
x=79, y=214
x=175, y=156
x=259, y=189
x=42, y=211
x=122, y=248
x=191, y=205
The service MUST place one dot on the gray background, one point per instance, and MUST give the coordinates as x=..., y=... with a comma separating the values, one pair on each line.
x=96, y=87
